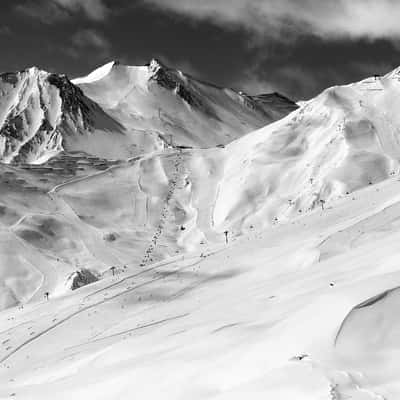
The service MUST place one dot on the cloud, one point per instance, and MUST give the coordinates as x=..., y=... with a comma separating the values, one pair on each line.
x=290, y=80
x=90, y=42
x=299, y=81
x=287, y=18
x=254, y=84
x=50, y=11
x=5, y=30
x=90, y=38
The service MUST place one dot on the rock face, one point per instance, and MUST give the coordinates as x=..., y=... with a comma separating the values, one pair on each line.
x=81, y=278
x=40, y=113
x=274, y=104
x=29, y=114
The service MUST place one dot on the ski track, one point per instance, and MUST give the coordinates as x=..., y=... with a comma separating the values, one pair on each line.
x=129, y=331
x=90, y=306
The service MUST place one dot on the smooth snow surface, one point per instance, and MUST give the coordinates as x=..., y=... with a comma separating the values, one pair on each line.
x=264, y=269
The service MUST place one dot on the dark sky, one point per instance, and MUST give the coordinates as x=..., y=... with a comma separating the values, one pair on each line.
x=297, y=47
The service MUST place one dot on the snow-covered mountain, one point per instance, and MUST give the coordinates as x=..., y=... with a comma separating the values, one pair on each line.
x=41, y=114
x=119, y=112
x=346, y=138
x=156, y=102
x=156, y=205
x=279, y=249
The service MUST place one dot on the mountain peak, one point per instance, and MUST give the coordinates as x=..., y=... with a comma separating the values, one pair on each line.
x=33, y=70
x=394, y=74
x=155, y=65
x=97, y=74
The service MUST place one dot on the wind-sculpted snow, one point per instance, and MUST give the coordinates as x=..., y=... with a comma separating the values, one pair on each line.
x=371, y=326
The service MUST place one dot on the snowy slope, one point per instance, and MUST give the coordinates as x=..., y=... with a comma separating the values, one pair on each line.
x=156, y=101
x=266, y=317
x=343, y=140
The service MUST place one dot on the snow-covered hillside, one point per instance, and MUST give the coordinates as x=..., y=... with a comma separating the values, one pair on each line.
x=346, y=138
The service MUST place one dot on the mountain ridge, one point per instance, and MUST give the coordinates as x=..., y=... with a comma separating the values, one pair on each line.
x=120, y=112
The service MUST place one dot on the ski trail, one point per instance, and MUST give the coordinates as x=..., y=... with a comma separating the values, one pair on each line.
x=129, y=331
x=93, y=305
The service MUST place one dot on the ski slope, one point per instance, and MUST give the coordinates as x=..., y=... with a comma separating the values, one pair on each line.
x=263, y=317
x=341, y=141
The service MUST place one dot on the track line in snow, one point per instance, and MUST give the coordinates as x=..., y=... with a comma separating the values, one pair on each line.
x=90, y=306
x=127, y=331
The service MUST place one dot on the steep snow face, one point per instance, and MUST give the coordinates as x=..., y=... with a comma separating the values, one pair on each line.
x=165, y=103
x=96, y=75
x=41, y=114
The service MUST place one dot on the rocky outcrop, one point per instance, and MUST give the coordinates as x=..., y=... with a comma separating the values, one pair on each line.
x=81, y=278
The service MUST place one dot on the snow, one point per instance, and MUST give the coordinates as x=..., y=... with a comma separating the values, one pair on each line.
x=228, y=325
x=95, y=75
x=146, y=100
x=300, y=303
x=343, y=140
x=119, y=112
